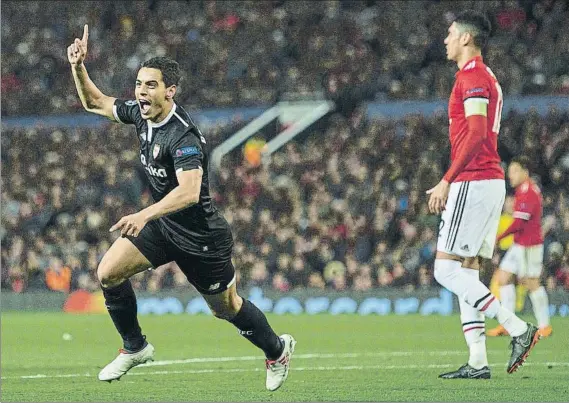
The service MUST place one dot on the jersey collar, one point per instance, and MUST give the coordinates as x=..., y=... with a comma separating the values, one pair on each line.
x=524, y=185
x=474, y=59
x=165, y=120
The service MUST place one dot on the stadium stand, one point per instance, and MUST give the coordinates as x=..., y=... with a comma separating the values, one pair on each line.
x=343, y=207
x=347, y=208
x=249, y=53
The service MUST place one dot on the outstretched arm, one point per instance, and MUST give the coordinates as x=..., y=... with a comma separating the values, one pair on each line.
x=92, y=98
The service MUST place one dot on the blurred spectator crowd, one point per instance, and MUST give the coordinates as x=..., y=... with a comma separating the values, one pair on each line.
x=255, y=52
x=342, y=207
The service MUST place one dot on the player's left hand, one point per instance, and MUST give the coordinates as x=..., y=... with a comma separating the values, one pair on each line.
x=439, y=196
x=130, y=224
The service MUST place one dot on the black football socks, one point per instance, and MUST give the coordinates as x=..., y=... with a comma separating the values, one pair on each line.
x=121, y=304
x=253, y=325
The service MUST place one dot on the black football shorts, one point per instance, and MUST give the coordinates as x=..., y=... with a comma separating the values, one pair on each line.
x=211, y=272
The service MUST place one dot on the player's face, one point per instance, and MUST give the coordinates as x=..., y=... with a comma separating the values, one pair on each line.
x=152, y=94
x=516, y=174
x=452, y=42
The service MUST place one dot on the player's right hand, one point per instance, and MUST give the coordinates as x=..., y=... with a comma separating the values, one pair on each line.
x=77, y=51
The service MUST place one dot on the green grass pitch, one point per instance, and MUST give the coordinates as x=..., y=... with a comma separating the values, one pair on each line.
x=338, y=358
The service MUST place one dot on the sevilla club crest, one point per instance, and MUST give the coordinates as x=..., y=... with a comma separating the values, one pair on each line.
x=156, y=151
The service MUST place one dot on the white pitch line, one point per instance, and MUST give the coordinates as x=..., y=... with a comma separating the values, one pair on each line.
x=305, y=356
x=294, y=369
x=318, y=368
x=300, y=356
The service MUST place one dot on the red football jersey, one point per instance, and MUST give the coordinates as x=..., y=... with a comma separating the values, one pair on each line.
x=476, y=82
x=528, y=207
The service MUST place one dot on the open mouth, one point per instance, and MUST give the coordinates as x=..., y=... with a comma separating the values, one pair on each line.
x=144, y=105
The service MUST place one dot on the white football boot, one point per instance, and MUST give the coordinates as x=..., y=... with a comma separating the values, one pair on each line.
x=277, y=370
x=125, y=361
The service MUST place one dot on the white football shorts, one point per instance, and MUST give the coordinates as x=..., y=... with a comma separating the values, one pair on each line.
x=469, y=223
x=523, y=261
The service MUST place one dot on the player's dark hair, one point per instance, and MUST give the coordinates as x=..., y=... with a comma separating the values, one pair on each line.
x=477, y=25
x=169, y=68
x=522, y=161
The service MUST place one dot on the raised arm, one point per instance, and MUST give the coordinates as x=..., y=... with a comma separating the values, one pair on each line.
x=92, y=98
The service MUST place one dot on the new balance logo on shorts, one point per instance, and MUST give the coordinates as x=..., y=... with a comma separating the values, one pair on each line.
x=214, y=287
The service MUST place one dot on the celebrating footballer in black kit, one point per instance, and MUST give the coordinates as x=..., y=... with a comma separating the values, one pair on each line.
x=182, y=225
x=198, y=238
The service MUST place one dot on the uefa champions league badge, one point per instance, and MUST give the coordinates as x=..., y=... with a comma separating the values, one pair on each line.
x=187, y=151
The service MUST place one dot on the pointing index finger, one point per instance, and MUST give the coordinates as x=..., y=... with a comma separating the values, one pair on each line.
x=117, y=225
x=85, y=33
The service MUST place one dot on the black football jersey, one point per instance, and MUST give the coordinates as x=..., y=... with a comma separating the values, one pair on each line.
x=173, y=145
